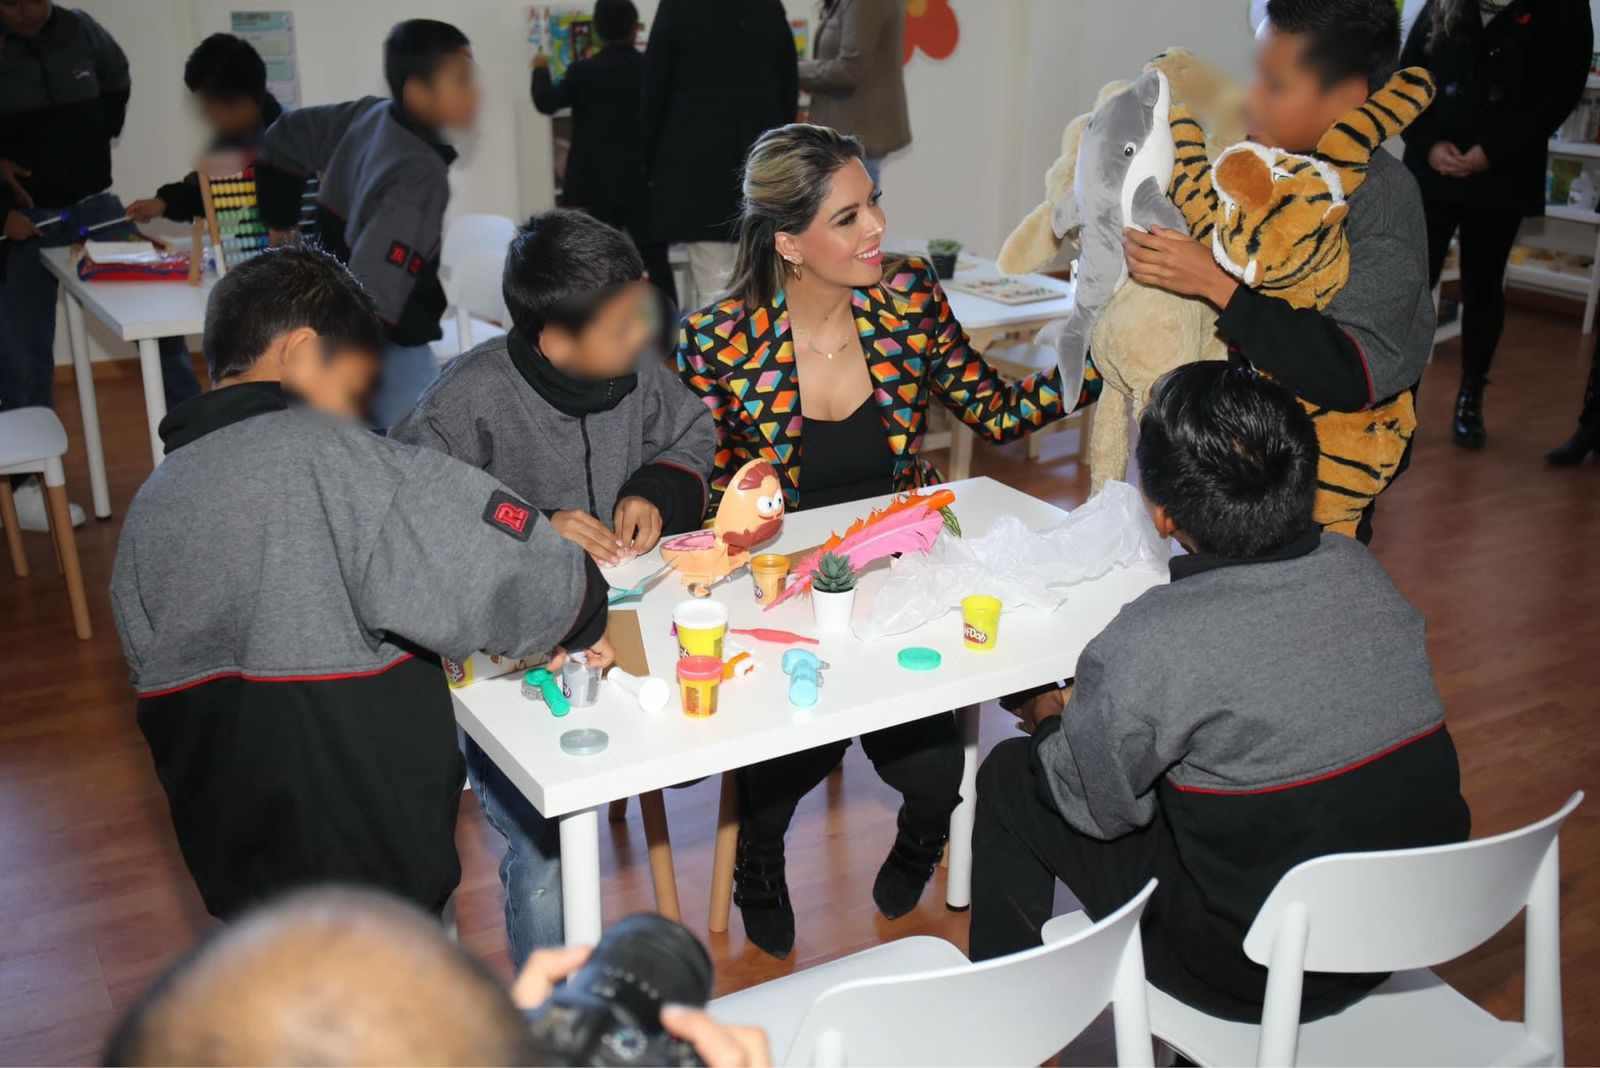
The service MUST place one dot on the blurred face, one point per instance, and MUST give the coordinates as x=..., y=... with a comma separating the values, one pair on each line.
x=25, y=18
x=609, y=345
x=841, y=245
x=449, y=100
x=1287, y=106
x=235, y=117
x=338, y=382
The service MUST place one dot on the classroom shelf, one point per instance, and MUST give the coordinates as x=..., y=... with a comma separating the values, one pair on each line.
x=1578, y=149
x=1571, y=214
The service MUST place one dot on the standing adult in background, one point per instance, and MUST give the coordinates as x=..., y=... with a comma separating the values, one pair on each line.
x=64, y=90
x=718, y=74
x=605, y=174
x=857, y=81
x=1509, y=73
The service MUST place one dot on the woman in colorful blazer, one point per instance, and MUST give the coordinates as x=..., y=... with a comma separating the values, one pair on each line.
x=823, y=362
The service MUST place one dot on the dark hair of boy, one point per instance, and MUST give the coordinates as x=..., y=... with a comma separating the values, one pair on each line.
x=416, y=48
x=281, y=290
x=225, y=67
x=562, y=266
x=616, y=21
x=1231, y=457
x=1344, y=38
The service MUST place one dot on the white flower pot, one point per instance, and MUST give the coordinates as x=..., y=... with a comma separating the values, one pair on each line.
x=832, y=610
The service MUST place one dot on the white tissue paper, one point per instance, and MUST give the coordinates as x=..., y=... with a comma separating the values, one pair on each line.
x=1017, y=565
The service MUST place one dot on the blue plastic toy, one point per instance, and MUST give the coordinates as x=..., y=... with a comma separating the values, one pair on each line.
x=803, y=668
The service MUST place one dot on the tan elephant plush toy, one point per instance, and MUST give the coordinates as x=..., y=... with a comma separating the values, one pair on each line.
x=1141, y=332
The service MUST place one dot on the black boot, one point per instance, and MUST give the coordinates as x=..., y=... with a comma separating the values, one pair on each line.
x=1587, y=438
x=1468, y=428
x=909, y=866
x=762, y=894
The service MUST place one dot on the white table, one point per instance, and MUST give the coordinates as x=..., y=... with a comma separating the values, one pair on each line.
x=863, y=690
x=143, y=312
x=987, y=321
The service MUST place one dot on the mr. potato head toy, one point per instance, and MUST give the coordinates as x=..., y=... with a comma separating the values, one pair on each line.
x=751, y=513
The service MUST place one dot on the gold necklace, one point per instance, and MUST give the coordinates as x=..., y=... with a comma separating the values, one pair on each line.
x=829, y=353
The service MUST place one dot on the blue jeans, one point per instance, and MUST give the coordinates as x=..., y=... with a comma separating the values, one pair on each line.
x=28, y=311
x=407, y=372
x=530, y=871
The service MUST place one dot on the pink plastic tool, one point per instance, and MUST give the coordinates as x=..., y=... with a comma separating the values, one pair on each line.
x=776, y=637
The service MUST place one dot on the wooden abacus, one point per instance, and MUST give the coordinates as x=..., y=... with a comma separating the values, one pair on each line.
x=233, y=215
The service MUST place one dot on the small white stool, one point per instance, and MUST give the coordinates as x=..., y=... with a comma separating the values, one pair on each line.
x=32, y=442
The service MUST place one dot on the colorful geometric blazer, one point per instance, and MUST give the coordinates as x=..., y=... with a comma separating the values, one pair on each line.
x=741, y=363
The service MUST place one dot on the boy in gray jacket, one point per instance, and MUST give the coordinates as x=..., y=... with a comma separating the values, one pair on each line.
x=1274, y=703
x=578, y=414
x=282, y=586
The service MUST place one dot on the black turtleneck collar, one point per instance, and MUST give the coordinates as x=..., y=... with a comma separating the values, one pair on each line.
x=566, y=394
x=1181, y=567
x=398, y=113
x=224, y=406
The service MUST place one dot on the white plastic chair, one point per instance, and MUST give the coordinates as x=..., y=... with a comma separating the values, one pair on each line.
x=1400, y=912
x=32, y=442
x=471, y=260
x=919, y=1001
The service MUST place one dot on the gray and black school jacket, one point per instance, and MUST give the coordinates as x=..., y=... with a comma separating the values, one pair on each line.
x=562, y=443
x=384, y=189
x=1252, y=715
x=63, y=98
x=283, y=583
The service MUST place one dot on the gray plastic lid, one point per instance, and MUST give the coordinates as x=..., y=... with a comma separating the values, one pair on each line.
x=586, y=741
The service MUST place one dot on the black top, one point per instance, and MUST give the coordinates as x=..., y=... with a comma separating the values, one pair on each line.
x=1506, y=85
x=846, y=459
x=605, y=166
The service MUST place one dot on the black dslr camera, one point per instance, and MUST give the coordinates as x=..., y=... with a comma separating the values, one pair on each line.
x=609, y=1011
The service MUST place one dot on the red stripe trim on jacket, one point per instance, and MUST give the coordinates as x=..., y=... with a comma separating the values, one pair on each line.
x=1366, y=368
x=334, y=676
x=1363, y=762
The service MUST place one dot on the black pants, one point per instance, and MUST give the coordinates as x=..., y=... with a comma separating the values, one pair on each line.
x=1487, y=234
x=921, y=759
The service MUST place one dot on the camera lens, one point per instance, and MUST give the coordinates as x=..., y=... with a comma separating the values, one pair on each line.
x=643, y=962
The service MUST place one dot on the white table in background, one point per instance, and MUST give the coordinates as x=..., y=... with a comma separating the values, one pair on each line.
x=987, y=321
x=142, y=312
x=863, y=690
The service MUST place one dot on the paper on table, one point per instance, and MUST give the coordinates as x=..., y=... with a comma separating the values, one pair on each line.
x=1017, y=565
x=122, y=252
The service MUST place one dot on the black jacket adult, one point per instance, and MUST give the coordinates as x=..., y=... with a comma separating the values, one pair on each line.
x=1506, y=85
x=718, y=74
x=63, y=98
x=605, y=165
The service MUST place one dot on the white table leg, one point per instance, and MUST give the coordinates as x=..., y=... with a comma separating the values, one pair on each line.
x=78, y=342
x=580, y=876
x=155, y=393
x=958, y=880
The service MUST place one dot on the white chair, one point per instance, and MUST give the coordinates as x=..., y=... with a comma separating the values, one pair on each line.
x=32, y=442
x=471, y=260
x=1400, y=912
x=919, y=1001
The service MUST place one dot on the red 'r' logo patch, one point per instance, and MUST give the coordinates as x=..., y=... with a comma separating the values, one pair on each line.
x=505, y=513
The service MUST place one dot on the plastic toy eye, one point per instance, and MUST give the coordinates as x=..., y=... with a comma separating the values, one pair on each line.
x=767, y=507
x=1129, y=149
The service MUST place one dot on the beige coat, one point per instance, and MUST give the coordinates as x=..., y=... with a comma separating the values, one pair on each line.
x=856, y=80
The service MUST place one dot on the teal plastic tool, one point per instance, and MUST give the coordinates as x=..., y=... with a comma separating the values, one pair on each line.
x=549, y=688
x=920, y=658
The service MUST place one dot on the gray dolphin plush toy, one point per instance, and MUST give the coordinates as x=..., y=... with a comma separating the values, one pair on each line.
x=1125, y=162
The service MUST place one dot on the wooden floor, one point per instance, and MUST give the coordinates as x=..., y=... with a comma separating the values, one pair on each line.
x=1499, y=552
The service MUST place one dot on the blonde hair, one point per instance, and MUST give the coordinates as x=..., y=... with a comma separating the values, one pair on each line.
x=785, y=178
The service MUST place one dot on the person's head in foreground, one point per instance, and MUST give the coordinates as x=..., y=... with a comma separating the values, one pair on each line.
x=1227, y=461
x=616, y=21
x=330, y=977
x=229, y=79
x=575, y=289
x=430, y=72
x=810, y=211
x=1316, y=60
x=298, y=317
x=25, y=18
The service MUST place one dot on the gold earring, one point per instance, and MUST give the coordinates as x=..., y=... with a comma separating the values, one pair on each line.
x=794, y=266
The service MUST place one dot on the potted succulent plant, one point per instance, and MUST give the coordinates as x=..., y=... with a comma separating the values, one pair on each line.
x=944, y=253
x=833, y=593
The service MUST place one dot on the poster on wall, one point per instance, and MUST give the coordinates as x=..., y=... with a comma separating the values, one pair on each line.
x=931, y=28
x=271, y=33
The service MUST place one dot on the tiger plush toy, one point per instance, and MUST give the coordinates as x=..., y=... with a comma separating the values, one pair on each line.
x=1275, y=221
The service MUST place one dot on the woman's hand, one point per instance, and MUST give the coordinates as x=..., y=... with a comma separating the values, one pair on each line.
x=1176, y=262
